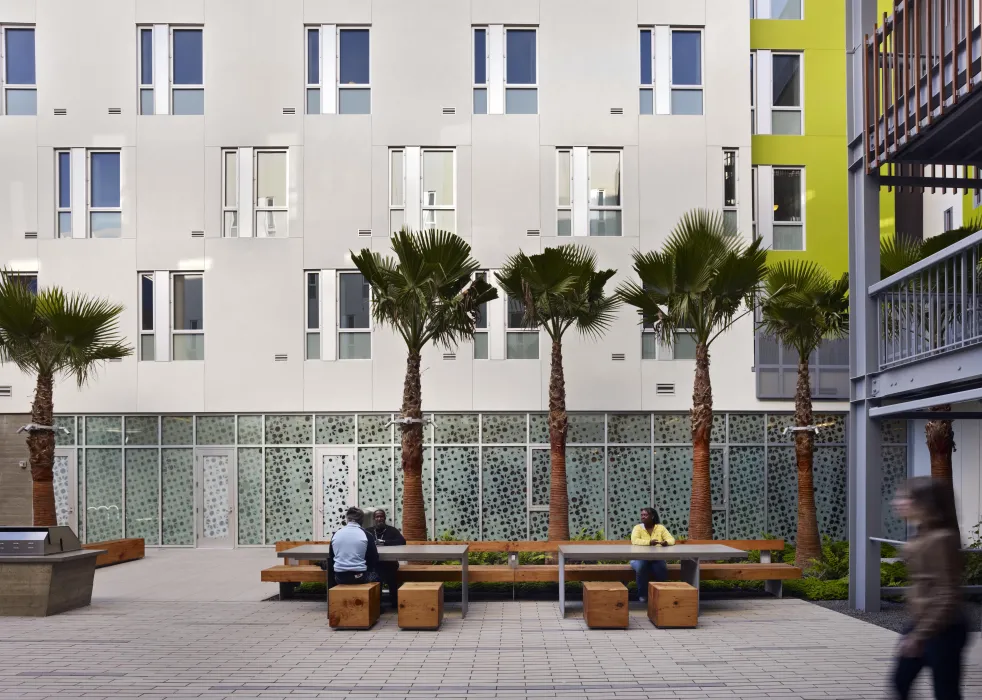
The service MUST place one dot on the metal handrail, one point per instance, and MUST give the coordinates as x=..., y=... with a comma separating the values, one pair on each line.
x=902, y=543
x=930, y=261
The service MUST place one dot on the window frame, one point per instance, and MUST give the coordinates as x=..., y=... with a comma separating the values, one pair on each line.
x=423, y=205
x=800, y=108
x=172, y=54
x=528, y=87
x=315, y=30
x=475, y=29
x=337, y=67
x=672, y=87
x=663, y=352
x=802, y=202
x=309, y=330
x=342, y=331
x=226, y=208
x=89, y=181
x=513, y=330
x=267, y=209
x=733, y=209
x=397, y=207
x=6, y=86
x=591, y=207
x=141, y=331
x=189, y=332
x=568, y=152
x=59, y=209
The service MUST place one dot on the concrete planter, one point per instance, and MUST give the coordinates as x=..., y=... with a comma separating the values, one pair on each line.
x=37, y=586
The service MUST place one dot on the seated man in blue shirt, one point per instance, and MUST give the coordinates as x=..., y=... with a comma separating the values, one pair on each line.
x=353, y=551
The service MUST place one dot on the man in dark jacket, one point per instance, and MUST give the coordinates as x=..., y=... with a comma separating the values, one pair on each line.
x=388, y=571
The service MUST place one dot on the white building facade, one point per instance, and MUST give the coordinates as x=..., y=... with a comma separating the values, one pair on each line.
x=210, y=164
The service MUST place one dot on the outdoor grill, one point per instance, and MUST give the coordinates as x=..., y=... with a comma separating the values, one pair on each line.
x=37, y=541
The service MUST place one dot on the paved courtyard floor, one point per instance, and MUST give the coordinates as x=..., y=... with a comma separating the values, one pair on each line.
x=123, y=647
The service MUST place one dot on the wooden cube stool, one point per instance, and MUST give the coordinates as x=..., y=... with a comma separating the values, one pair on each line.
x=673, y=604
x=605, y=604
x=421, y=606
x=354, y=607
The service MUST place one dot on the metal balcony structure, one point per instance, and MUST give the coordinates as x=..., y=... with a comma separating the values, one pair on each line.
x=922, y=104
x=915, y=121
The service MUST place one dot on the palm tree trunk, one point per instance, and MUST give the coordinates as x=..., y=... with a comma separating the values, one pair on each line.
x=940, y=436
x=809, y=546
x=701, y=503
x=558, y=424
x=41, y=446
x=413, y=508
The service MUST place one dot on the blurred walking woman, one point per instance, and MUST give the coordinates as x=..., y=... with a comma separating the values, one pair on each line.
x=938, y=630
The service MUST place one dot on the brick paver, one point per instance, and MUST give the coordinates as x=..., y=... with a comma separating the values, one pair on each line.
x=755, y=648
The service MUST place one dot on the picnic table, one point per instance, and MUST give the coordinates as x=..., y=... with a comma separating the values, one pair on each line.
x=689, y=554
x=409, y=552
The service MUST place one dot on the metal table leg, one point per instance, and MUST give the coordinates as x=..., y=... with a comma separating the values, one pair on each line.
x=463, y=586
x=562, y=584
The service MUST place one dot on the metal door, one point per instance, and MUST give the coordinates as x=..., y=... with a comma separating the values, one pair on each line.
x=214, y=497
x=335, y=488
x=66, y=487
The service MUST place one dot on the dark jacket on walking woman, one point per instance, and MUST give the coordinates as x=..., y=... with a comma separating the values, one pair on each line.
x=937, y=632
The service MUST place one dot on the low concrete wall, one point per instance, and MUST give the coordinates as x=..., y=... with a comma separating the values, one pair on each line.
x=15, y=481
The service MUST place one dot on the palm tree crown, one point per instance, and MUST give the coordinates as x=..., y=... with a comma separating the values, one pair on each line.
x=804, y=305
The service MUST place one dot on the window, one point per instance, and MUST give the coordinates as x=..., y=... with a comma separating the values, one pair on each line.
x=521, y=343
x=976, y=199
x=188, y=336
x=753, y=202
x=63, y=210
x=686, y=71
x=605, y=193
x=753, y=94
x=521, y=92
x=480, y=70
x=789, y=230
x=230, y=193
x=354, y=315
x=671, y=70
x=181, y=65
x=349, y=90
x=313, y=336
x=105, y=199
x=397, y=190
x=683, y=346
x=438, y=191
x=949, y=219
x=730, y=210
x=776, y=367
x=27, y=280
x=147, y=339
x=649, y=342
x=272, y=211
x=786, y=117
x=19, y=75
x=564, y=192
x=775, y=9
x=647, y=72
x=481, y=348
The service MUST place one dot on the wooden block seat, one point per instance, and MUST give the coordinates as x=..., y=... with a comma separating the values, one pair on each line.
x=605, y=605
x=421, y=605
x=673, y=604
x=354, y=606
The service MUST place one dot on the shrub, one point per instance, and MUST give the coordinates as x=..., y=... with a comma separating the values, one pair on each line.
x=834, y=564
x=893, y=575
x=818, y=589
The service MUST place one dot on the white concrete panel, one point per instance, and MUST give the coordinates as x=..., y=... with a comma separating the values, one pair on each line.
x=80, y=194
x=687, y=13
x=161, y=316
x=170, y=181
x=19, y=183
x=765, y=204
x=496, y=69
x=505, y=12
x=329, y=315
x=663, y=69
x=936, y=204
x=19, y=11
x=447, y=384
x=170, y=11
x=496, y=320
x=337, y=11
x=170, y=387
x=510, y=385
x=329, y=68
x=247, y=223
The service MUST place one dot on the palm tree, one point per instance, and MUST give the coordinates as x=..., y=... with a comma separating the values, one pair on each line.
x=48, y=333
x=703, y=280
x=428, y=292
x=559, y=288
x=802, y=306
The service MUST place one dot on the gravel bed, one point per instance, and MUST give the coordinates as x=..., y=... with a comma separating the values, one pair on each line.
x=894, y=616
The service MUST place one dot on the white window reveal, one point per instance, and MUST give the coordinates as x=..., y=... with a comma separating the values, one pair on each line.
x=397, y=189
x=949, y=219
x=171, y=69
x=588, y=187
x=775, y=9
x=338, y=70
x=148, y=341
x=671, y=74
x=423, y=188
x=731, y=210
x=778, y=81
x=18, y=77
x=272, y=210
x=781, y=207
x=521, y=343
x=506, y=71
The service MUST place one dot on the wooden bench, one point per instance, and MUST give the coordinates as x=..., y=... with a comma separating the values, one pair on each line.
x=293, y=573
x=118, y=551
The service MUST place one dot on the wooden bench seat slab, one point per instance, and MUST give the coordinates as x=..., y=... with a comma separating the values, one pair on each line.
x=118, y=551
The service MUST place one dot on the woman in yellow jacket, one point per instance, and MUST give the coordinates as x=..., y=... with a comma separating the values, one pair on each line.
x=650, y=533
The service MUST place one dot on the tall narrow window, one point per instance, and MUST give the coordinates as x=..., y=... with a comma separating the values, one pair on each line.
x=481, y=334
x=605, y=193
x=187, y=71
x=521, y=342
x=789, y=229
x=19, y=76
x=949, y=219
x=147, y=341
x=647, y=105
x=146, y=70
x=313, y=315
x=438, y=190
x=230, y=193
x=686, y=71
x=188, y=336
x=753, y=202
x=397, y=190
x=649, y=342
x=63, y=214
x=786, y=107
x=480, y=70
x=313, y=70
x=753, y=95
x=354, y=317
x=354, y=86
x=272, y=210
x=521, y=72
x=564, y=192
x=105, y=199
x=730, y=210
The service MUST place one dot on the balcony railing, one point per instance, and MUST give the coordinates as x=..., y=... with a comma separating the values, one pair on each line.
x=932, y=307
x=920, y=63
